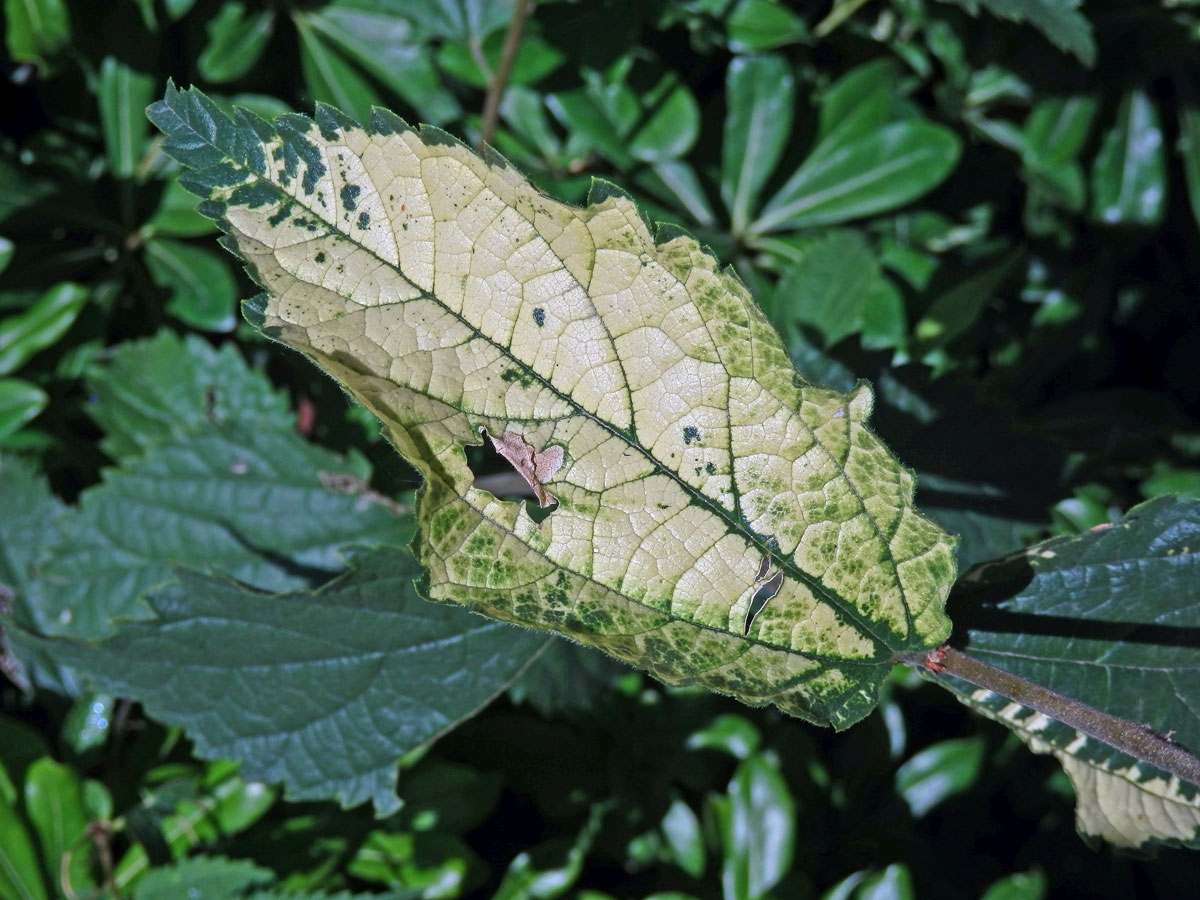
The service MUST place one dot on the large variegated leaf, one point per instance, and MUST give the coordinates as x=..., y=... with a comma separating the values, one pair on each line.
x=717, y=519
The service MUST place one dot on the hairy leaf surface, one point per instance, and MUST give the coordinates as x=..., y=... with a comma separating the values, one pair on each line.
x=717, y=519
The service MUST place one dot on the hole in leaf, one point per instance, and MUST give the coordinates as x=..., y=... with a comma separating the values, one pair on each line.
x=498, y=475
x=761, y=597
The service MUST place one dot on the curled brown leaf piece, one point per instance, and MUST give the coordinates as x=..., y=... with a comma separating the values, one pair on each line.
x=536, y=468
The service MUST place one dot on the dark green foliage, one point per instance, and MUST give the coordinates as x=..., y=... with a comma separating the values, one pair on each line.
x=986, y=207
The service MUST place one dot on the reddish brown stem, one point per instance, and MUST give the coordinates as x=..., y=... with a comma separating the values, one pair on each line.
x=1138, y=740
x=499, y=81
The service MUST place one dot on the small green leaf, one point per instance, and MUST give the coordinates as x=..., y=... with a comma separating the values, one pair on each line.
x=329, y=77
x=549, y=870
x=427, y=865
x=1189, y=150
x=756, y=25
x=20, y=878
x=829, y=285
x=603, y=116
x=893, y=883
x=880, y=172
x=235, y=41
x=756, y=821
x=361, y=663
x=1059, y=20
x=37, y=29
x=1056, y=130
x=675, y=181
x=1129, y=177
x=730, y=734
x=7, y=249
x=21, y=744
x=861, y=102
x=938, y=772
x=54, y=802
x=20, y=403
x=759, y=98
x=684, y=836
x=1021, y=886
x=670, y=122
x=201, y=878
x=123, y=94
x=393, y=50
x=956, y=309
x=40, y=326
x=88, y=722
x=176, y=215
x=203, y=292
x=535, y=60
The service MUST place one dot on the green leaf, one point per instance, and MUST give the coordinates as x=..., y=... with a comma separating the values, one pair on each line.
x=675, y=181
x=88, y=722
x=938, y=772
x=552, y=868
x=1021, y=886
x=1059, y=20
x=330, y=78
x=29, y=519
x=683, y=834
x=7, y=249
x=20, y=403
x=201, y=878
x=730, y=734
x=1129, y=177
x=1098, y=614
x=19, y=875
x=54, y=803
x=756, y=822
x=1189, y=150
x=163, y=388
x=757, y=25
x=202, y=287
x=37, y=29
x=594, y=409
x=235, y=42
x=879, y=172
x=1056, y=130
x=323, y=690
x=40, y=326
x=601, y=115
x=123, y=94
x=176, y=215
x=428, y=865
x=893, y=883
x=392, y=49
x=259, y=505
x=759, y=98
x=829, y=285
x=535, y=59
x=460, y=21
x=957, y=309
x=1097, y=617
x=670, y=122
x=564, y=678
x=861, y=102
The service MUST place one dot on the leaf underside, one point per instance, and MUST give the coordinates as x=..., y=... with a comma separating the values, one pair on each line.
x=447, y=295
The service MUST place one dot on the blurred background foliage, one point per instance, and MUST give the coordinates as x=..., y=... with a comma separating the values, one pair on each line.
x=987, y=207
